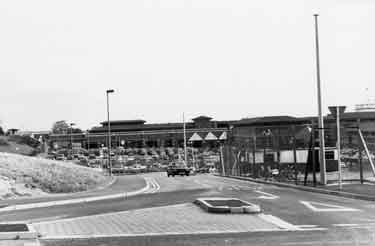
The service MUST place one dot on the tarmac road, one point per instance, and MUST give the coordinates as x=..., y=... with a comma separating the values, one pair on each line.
x=321, y=219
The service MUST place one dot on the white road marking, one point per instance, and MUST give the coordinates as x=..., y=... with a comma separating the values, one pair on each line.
x=154, y=186
x=236, y=188
x=266, y=195
x=279, y=222
x=324, y=207
x=307, y=226
x=202, y=184
x=328, y=243
x=345, y=225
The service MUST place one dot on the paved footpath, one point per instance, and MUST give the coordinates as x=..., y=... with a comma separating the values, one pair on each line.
x=184, y=218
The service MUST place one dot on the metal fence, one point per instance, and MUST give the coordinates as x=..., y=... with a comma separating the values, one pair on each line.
x=285, y=154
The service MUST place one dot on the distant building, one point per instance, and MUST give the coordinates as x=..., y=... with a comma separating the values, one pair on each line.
x=35, y=134
x=11, y=131
x=204, y=131
x=136, y=133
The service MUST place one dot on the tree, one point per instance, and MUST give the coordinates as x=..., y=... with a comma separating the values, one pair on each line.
x=1, y=131
x=60, y=127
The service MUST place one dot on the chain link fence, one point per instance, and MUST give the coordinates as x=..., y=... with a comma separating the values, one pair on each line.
x=285, y=154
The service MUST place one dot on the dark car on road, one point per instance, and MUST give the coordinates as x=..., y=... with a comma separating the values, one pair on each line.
x=174, y=169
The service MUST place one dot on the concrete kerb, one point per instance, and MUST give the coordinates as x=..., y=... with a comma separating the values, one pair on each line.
x=247, y=208
x=20, y=235
x=74, y=201
x=306, y=188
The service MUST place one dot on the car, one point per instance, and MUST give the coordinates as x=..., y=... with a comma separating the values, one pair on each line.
x=118, y=168
x=50, y=157
x=203, y=170
x=60, y=157
x=182, y=170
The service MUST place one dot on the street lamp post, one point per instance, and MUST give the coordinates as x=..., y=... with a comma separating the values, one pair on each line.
x=109, y=133
x=323, y=175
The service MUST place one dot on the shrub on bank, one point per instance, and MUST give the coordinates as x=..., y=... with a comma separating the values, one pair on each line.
x=49, y=175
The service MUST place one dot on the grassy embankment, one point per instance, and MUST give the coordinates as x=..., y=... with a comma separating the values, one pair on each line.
x=31, y=176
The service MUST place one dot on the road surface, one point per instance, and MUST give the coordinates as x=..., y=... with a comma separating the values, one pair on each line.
x=305, y=218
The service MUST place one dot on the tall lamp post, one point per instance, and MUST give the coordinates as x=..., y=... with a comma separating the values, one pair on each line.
x=323, y=175
x=109, y=133
x=336, y=111
x=71, y=137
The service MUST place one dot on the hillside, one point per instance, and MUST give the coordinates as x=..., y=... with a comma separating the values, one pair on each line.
x=14, y=145
x=31, y=176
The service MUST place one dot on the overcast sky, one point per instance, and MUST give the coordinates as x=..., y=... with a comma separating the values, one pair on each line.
x=228, y=59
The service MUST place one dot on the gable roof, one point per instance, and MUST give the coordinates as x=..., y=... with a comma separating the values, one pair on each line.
x=210, y=136
x=195, y=137
x=223, y=136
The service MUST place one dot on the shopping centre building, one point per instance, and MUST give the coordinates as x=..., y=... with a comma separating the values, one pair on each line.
x=204, y=131
x=200, y=131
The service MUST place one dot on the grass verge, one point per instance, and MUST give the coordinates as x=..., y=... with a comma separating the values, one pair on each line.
x=47, y=175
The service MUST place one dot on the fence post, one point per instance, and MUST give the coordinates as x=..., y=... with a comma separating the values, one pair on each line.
x=313, y=152
x=360, y=154
x=255, y=169
x=278, y=150
x=295, y=154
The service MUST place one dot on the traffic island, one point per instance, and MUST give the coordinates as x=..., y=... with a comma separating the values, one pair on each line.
x=227, y=205
x=17, y=232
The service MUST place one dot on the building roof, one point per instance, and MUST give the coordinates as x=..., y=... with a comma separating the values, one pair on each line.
x=141, y=127
x=355, y=115
x=34, y=132
x=268, y=120
x=202, y=117
x=124, y=122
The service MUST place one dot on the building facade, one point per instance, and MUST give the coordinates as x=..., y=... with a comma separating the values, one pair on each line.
x=200, y=131
x=272, y=132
